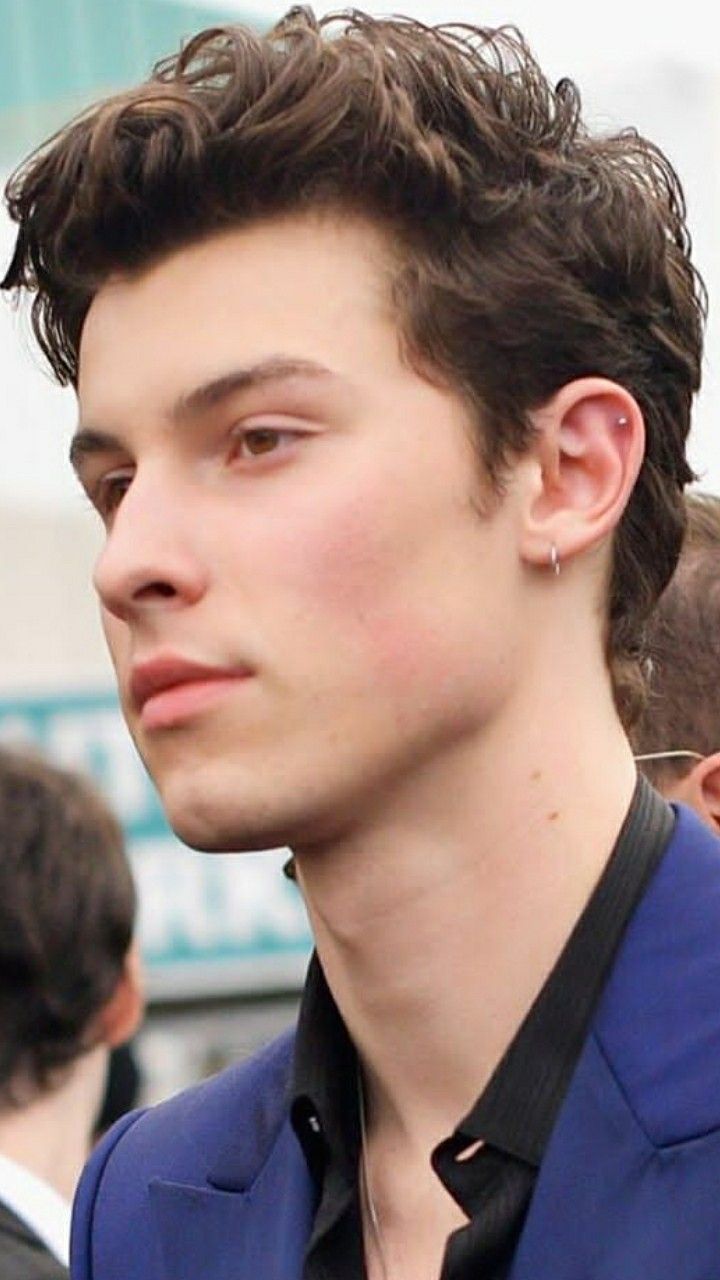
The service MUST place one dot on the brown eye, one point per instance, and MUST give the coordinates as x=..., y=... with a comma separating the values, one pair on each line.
x=250, y=443
x=260, y=440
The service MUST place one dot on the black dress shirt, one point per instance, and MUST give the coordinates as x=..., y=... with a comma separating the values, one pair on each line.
x=516, y=1112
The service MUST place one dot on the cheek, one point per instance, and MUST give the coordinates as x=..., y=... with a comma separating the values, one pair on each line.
x=117, y=638
x=363, y=593
x=343, y=566
x=424, y=666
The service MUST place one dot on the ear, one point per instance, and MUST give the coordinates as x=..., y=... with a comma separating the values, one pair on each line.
x=120, y=1017
x=588, y=450
x=700, y=788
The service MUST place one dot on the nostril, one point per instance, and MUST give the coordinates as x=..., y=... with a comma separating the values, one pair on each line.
x=153, y=590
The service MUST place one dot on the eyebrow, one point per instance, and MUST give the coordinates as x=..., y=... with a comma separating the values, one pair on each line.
x=192, y=404
x=272, y=369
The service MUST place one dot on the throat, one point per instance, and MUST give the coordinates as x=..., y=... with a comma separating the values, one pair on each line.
x=407, y=1217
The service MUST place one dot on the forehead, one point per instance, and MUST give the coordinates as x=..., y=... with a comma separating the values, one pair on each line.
x=314, y=286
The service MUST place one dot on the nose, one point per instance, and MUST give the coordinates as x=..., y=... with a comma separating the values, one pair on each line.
x=150, y=561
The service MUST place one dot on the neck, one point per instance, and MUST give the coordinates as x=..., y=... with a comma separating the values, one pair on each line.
x=437, y=924
x=51, y=1136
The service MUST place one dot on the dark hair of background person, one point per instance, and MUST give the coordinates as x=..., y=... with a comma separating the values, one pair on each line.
x=683, y=707
x=67, y=909
x=527, y=252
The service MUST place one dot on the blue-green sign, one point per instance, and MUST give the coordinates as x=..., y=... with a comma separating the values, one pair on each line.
x=52, y=50
x=56, y=56
x=209, y=923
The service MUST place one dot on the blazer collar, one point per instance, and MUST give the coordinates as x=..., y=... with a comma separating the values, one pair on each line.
x=642, y=1088
x=236, y=1124
x=657, y=1023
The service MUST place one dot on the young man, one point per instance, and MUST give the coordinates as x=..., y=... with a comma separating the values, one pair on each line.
x=69, y=991
x=384, y=369
x=678, y=735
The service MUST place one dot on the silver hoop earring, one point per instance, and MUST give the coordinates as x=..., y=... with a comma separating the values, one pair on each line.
x=554, y=560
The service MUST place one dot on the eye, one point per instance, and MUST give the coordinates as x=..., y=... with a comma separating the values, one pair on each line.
x=256, y=442
x=107, y=494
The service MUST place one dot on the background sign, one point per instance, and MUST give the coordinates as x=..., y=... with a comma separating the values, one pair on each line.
x=209, y=923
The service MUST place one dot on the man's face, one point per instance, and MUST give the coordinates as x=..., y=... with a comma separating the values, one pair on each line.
x=304, y=608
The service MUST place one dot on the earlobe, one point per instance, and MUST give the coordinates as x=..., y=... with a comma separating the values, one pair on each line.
x=589, y=448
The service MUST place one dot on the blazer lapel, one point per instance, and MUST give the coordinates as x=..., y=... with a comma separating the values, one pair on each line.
x=591, y=1188
x=207, y=1233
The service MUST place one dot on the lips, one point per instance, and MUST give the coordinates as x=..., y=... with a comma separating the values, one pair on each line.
x=169, y=689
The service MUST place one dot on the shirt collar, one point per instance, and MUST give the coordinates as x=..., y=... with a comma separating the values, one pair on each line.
x=38, y=1205
x=324, y=1110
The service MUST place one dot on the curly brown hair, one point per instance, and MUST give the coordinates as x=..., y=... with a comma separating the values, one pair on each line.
x=67, y=908
x=529, y=252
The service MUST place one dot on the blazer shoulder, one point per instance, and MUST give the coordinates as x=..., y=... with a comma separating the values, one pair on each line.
x=658, y=1023
x=220, y=1131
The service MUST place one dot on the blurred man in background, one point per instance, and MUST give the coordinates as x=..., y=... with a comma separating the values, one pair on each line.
x=69, y=992
x=678, y=736
x=385, y=368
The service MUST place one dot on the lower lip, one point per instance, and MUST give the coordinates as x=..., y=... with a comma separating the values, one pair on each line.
x=182, y=702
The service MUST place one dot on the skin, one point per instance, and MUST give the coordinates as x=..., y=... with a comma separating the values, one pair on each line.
x=406, y=726
x=699, y=788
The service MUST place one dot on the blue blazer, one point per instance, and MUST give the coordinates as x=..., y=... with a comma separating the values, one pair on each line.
x=212, y=1185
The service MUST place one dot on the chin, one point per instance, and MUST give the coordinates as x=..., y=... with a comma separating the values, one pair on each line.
x=221, y=808
x=213, y=833
x=207, y=807
x=216, y=826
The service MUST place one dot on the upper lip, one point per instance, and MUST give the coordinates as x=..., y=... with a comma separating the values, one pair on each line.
x=167, y=670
